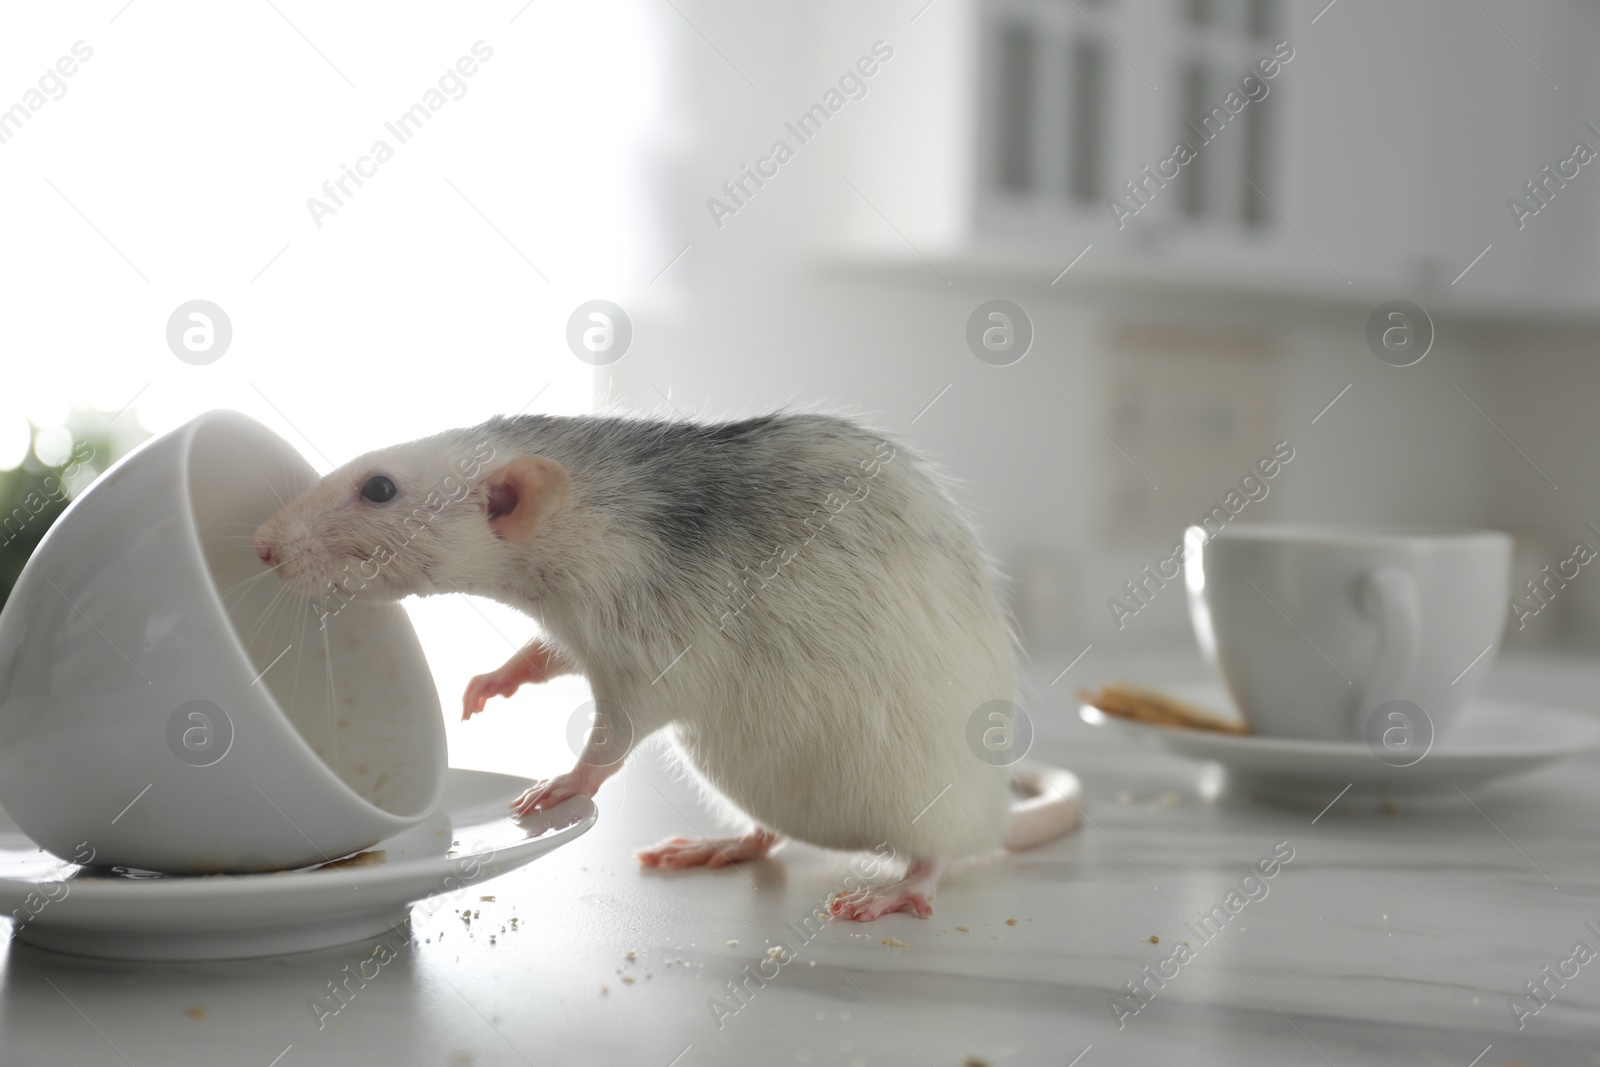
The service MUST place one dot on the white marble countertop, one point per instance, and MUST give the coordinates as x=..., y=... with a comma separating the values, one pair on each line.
x=1391, y=938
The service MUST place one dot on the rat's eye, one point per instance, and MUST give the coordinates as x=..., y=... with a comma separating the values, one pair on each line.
x=378, y=489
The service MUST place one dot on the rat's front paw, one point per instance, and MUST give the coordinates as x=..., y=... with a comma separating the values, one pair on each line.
x=534, y=663
x=552, y=791
x=484, y=686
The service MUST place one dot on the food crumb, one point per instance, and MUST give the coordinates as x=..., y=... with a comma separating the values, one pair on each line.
x=463, y=1057
x=195, y=1012
x=489, y=897
x=1391, y=808
x=973, y=1061
x=360, y=859
x=893, y=942
x=632, y=954
x=627, y=979
x=734, y=943
x=1011, y=922
x=604, y=990
x=1154, y=940
x=963, y=929
x=775, y=953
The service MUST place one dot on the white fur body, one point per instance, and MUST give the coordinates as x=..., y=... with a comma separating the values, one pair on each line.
x=797, y=601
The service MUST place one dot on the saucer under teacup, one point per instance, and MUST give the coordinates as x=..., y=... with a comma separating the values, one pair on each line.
x=1491, y=738
x=468, y=839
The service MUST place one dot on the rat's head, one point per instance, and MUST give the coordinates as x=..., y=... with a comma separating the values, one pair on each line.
x=424, y=517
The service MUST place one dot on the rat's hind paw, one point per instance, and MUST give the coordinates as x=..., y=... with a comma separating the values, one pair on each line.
x=913, y=893
x=864, y=905
x=676, y=853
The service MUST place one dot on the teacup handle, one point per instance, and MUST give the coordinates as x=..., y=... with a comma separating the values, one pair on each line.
x=1390, y=595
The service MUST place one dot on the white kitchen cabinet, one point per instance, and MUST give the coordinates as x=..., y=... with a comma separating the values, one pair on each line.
x=1378, y=159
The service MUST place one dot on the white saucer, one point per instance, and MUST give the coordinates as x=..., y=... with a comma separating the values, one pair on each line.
x=469, y=839
x=1490, y=739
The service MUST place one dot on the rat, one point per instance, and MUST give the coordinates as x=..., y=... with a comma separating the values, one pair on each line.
x=796, y=601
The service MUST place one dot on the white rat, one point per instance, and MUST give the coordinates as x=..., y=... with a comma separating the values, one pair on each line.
x=797, y=600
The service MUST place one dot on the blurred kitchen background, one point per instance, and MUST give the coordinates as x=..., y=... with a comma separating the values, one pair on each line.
x=606, y=151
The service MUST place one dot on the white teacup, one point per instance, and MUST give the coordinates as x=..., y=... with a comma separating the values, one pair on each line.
x=1316, y=629
x=165, y=705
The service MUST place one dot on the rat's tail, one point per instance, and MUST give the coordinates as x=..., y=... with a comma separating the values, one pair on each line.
x=1049, y=809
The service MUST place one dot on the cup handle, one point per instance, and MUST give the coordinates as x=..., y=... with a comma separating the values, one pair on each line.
x=1390, y=595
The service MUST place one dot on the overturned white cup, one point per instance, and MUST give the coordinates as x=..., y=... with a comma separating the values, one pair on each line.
x=165, y=706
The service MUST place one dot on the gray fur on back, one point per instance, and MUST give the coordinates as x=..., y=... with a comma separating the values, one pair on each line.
x=795, y=600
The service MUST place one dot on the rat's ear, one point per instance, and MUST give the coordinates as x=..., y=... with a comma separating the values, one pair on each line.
x=522, y=493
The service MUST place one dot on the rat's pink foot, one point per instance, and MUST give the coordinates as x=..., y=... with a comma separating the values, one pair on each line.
x=580, y=781
x=535, y=663
x=676, y=853
x=913, y=893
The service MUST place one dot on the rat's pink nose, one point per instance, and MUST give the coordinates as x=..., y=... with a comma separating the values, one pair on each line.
x=264, y=550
